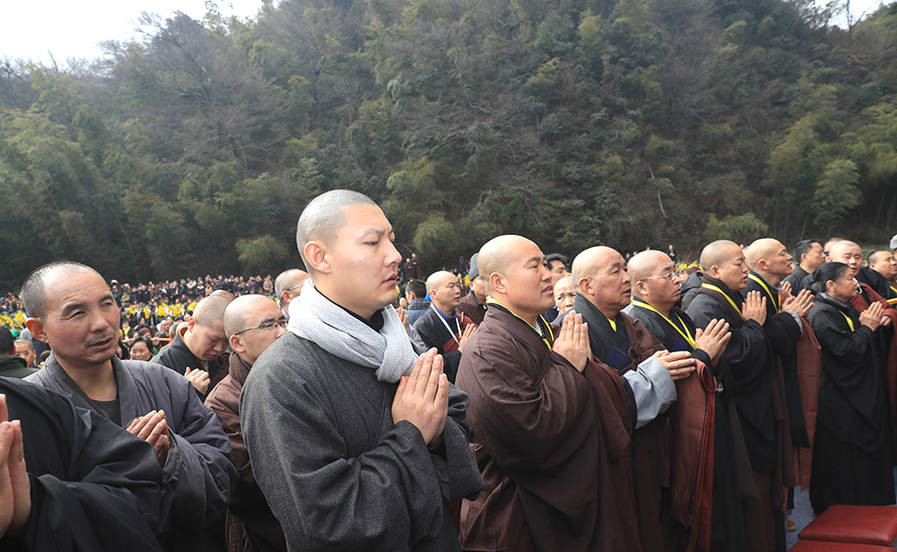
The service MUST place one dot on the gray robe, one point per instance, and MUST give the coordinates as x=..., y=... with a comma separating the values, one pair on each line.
x=338, y=473
x=198, y=472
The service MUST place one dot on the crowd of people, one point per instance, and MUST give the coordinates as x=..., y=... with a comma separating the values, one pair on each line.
x=515, y=402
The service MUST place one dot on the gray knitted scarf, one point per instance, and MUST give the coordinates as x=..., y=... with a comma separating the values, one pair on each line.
x=319, y=320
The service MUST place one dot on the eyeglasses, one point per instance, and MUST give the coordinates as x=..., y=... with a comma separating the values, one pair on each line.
x=267, y=326
x=675, y=275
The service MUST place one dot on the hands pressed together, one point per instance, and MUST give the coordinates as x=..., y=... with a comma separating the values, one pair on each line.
x=754, y=307
x=422, y=397
x=572, y=342
x=152, y=428
x=713, y=339
x=15, y=488
x=199, y=379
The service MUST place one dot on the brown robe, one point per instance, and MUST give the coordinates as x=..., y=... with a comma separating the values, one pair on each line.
x=860, y=303
x=552, y=444
x=809, y=365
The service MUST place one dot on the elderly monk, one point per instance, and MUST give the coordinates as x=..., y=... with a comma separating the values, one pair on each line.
x=884, y=262
x=551, y=428
x=564, y=294
x=656, y=290
x=252, y=323
x=357, y=442
x=622, y=343
x=746, y=423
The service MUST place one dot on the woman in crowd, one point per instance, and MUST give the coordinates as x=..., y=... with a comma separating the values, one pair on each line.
x=852, y=449
x=141, y=348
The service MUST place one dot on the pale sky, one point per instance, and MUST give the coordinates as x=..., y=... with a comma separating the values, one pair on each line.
x=73, y=29
x=31, y=29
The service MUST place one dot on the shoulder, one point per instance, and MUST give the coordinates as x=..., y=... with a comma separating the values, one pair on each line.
x=225, y=395
x=289, y=359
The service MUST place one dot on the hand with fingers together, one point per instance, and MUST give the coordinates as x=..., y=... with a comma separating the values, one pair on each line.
x=15, y=488
x=872, y=316
x=713, y=339
x=199, y=379
x=754, y=307
x=798, y=305
x=465, y=337
x=152, y=428
x=572, y=341
x=422, y=398
x=679, y=365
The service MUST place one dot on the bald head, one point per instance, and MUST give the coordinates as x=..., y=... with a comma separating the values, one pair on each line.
x=876, y=256
x=590, y=260
x=323, y=217
x=437, y=279
x=288, y=280
x=237, y=310
x=515, y=273
x=847, y=252
x=210, y=310
x=826, y=248
x=769, y=258
x=497, y=253
x=718, y=252
x=252, y=323
x=648, y=263
x=601, y=277
x=33, y=292
x=223, y=293
x=445, y=291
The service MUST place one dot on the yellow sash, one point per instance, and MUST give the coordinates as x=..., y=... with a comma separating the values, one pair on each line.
x=686, y=335
x=547, y=325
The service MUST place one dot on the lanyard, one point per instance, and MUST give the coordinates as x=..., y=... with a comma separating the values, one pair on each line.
x=768, y=293
x=612, y=324
x=729, y=299
x=444, y=323
x=849, y=321
x=685, y=335
x=541, y=334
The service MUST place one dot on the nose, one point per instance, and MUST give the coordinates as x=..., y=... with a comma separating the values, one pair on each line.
x=279, y=331
x=392, y=254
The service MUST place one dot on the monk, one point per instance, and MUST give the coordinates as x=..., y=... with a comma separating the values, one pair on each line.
x=745, y=426
x=550, y=428
x=645, y=369
x=656, y=289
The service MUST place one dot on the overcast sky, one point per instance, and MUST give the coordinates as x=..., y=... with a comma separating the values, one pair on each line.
x=69, y=28
x=31, y=29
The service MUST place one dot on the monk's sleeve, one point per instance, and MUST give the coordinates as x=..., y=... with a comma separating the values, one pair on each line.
x=845, y=346
x=526, y=411
x=109, y=500
x=325, y=497
x=455, y=461
x=198, y=466
x=783, y=331
x=653, y=390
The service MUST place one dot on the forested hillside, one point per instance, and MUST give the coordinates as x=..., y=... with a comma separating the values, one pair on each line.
x=640, y=122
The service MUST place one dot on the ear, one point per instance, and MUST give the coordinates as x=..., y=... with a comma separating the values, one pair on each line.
x=584, y=285
x=36, y=327
x=497, y=283
x=236, y=343
x=641, y=287
x=315, y=253
x=714, y=272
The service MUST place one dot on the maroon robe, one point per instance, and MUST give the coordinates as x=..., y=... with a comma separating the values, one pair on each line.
x=553, y=445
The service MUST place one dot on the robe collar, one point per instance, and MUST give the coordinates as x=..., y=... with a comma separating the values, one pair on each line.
x=125, y=387
x=238, y=368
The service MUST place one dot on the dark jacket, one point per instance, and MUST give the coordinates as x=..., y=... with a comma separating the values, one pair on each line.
x=472, y=308
x=12, y=366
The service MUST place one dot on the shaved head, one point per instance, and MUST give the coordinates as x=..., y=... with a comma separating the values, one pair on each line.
x=497, y=253
x=717, y=252
x=516, y=274
x=838, y=248
x=288, y=279
x=876, y=256
x=826, y=248
x=437, y=279
x=210, y=310
x=323, y=217
x=236, y=311
x=586, y=263
x=763, y=248
x=648, y=263
x=33, y=292
x=601, y=277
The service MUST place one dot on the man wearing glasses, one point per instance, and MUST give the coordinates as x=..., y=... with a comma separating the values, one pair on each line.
x=252, y=323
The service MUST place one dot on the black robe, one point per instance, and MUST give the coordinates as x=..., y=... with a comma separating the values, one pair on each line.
x=796, y=279
x=852, y=448
x=472, y=308
x=876, y=281
x=93, y=485
x=744, y=424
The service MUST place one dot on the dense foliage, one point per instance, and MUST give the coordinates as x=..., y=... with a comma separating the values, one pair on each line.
x=574, y=122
